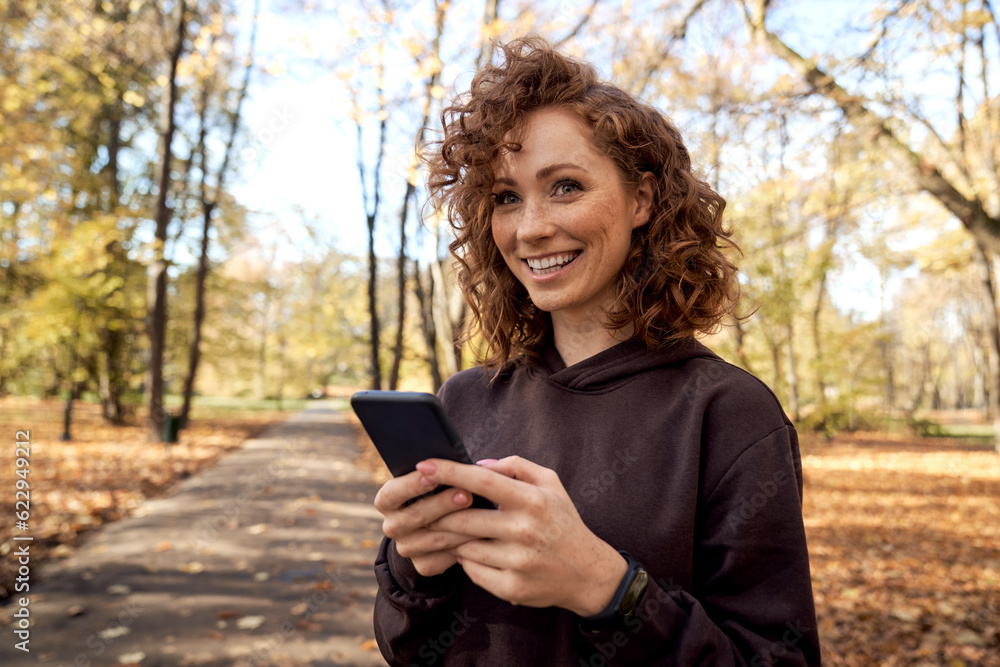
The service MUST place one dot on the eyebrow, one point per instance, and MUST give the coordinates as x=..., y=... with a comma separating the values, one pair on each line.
x=544, y=172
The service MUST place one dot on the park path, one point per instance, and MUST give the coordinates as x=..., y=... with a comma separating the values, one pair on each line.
x=263, y=559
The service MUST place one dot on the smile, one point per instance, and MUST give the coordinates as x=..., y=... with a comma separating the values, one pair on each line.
x=546, y=265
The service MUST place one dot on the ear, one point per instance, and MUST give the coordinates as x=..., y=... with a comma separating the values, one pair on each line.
x=643, y=197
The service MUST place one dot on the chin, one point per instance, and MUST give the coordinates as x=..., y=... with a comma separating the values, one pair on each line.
x=546, y=304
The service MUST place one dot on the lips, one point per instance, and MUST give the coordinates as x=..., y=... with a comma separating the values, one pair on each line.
x=552, y=263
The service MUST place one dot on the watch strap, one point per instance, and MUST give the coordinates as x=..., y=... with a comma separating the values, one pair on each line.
x=624, y=601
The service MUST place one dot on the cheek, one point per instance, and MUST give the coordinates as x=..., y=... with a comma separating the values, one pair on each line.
x=503, y=237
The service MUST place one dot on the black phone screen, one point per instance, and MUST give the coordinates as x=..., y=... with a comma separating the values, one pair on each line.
x=408, y=427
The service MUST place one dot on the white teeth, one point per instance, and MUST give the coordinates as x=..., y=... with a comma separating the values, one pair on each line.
x=542, y=266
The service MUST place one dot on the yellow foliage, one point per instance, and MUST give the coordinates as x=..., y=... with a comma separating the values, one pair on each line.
x=10, y=103
x=133, y=98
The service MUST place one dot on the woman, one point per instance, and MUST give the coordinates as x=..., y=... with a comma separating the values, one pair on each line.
x=649, y=493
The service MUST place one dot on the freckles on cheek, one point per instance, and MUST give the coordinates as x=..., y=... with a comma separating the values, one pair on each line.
x=502, y=238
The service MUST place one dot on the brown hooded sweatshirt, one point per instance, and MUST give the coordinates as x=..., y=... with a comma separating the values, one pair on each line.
x=673, y=455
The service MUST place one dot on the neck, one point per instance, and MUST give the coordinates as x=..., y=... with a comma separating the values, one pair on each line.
x=579, y=339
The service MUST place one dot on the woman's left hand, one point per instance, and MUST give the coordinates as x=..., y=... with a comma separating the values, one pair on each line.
x=535, y=549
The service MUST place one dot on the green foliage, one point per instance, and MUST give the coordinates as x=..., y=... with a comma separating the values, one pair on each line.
x=843, y=415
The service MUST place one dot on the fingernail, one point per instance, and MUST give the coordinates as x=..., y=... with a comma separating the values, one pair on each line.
x=459, y=559
x=426, y=483
x=486, y=462
x=460, y=498
x=427, y=467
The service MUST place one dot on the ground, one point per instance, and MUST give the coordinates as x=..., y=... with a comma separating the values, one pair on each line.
x=904, y=543
x=103, y=474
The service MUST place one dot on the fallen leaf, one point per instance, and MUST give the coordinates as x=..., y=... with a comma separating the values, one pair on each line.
x=969, y=638
x=131, y=658
x=114, y=632
x=250, y=622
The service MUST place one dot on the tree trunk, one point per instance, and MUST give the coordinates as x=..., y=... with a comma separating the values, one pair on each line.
x=489, y=21
x=776, y=361
x=376, y=370
x=371, y=214
x=791, y=373
x=262, y=349
x=741, y=350
x=817, y=335
x=194, y=353
x=440, y=8
x=459, y=330
x=111, y=380
x=443, y=323
x=158, y=269
x=993, y=329
x=426, y=303
x=397, y=355
x=207, y=208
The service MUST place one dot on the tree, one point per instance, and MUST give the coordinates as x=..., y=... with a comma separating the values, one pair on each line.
x=430, y=63
x=158, y=269
x=372, y=198
x=209, y=197
x=940, y=168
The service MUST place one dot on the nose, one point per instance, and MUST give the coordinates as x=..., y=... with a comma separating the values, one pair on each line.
x=535, y=224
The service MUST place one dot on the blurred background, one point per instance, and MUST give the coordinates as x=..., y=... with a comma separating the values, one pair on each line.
x=285, y=242
x=214, y=198
x=211, y=211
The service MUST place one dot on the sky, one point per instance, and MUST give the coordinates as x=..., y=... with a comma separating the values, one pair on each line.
x=300, y=155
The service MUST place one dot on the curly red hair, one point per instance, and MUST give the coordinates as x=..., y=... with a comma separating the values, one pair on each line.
x=676, y=280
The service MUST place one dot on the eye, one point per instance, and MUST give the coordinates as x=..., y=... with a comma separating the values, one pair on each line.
x=505, y=198
x=567, y=187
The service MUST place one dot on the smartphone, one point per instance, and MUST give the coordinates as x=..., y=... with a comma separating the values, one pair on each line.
x=408, y=427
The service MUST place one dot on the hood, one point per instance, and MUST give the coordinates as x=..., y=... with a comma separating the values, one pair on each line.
x=614, y=365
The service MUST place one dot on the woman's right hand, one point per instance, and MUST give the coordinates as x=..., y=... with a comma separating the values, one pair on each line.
x=407, y=526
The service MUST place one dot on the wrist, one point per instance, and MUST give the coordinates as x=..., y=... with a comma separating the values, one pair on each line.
x=626, y=597
x=600, y=584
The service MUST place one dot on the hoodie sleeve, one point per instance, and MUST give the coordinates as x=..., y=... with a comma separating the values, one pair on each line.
x=751, y=599
x=410, y=608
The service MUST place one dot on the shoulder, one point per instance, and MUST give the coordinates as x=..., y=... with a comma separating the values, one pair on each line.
x=727, y=393
x=744, y=428
x=464, y=388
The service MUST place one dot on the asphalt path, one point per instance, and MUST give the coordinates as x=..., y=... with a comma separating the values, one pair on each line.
x=263, y=559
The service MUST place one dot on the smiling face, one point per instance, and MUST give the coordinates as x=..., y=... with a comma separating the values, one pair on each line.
x=563, y=219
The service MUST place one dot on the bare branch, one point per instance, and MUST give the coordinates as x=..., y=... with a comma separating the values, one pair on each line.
x=925, y=173
x=580, y=24
x=490, y=13
x=678, y=33
x=882, y=32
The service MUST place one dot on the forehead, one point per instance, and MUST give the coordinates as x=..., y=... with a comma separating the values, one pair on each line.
x=547, y=135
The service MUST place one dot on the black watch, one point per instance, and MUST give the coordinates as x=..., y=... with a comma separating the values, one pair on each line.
x=624, y=601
